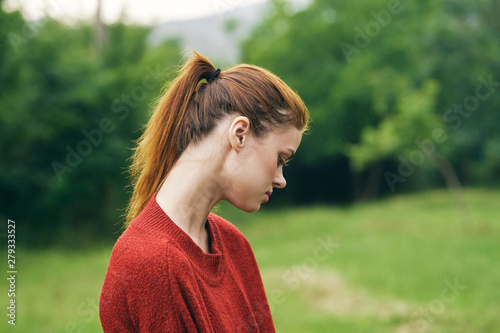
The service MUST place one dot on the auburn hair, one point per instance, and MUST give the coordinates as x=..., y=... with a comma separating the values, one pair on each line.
x=190, y=109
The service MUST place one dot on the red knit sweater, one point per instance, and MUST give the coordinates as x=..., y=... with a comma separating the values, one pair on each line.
x=159, y=280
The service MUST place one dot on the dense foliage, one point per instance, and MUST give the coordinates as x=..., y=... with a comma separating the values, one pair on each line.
x=69, y=111
x=403, y=94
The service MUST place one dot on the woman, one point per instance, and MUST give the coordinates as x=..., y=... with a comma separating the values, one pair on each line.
x=178, y=267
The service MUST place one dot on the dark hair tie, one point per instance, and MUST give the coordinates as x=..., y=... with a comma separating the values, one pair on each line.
x=213, y=75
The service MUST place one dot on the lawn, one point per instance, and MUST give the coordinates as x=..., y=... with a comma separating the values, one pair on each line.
x=406, y=264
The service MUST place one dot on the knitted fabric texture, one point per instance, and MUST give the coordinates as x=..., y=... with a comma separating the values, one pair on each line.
x=159, y=280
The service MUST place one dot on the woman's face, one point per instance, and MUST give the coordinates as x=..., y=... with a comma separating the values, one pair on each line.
x=257, y=168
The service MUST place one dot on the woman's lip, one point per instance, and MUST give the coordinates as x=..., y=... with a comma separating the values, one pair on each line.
x=268, y=194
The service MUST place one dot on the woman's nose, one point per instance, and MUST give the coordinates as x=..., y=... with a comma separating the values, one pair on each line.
x=279, y=180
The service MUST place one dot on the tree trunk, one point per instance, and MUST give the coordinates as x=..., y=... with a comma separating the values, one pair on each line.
x=99, y=29
x=452, y=182
x=365, y=185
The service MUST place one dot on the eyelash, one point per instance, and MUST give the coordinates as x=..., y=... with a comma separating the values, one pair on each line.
x=282, y=162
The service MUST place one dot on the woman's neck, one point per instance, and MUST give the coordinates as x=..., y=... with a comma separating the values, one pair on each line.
x=191, y=189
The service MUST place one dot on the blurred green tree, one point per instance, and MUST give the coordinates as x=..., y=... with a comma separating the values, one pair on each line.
x=364, y=68
x=68, y=115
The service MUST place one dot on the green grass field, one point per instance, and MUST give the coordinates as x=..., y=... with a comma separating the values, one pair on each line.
x=407, y=264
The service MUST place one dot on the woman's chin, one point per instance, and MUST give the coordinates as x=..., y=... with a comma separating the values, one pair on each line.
x=247, y=208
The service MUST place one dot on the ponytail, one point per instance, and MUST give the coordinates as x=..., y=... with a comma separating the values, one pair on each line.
x=157, y=149
x=190, y=109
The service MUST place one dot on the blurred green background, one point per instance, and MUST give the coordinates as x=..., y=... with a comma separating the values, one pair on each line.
x=401, y=168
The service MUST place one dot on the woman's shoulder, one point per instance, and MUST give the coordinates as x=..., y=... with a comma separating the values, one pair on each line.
x=132, y=247
x=229, y=231
x=225, y=226
x=141, y=256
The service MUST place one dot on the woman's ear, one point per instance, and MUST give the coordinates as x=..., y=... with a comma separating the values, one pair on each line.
x=239, y=131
